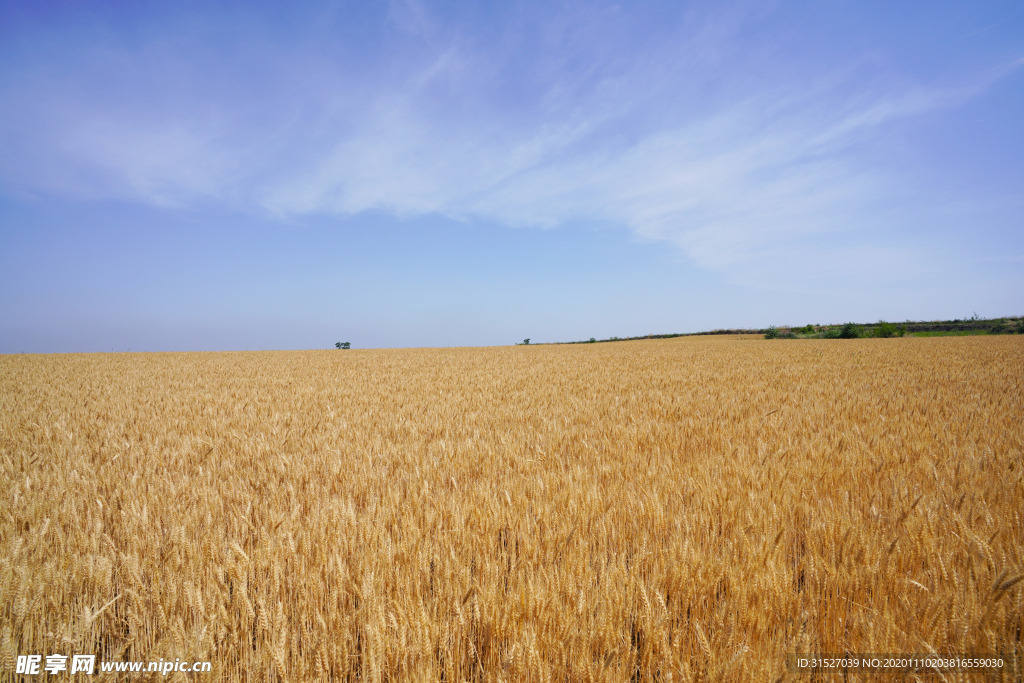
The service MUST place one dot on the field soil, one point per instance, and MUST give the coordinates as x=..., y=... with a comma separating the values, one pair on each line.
x=684, y=509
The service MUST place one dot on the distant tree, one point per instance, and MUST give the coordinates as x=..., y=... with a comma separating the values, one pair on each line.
x=771, y=333
x=343, y=345
x=593, y=340
x=526, y=342
x=849, y=331
x=886, y=330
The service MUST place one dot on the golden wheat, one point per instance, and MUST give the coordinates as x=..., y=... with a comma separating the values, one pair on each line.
x=675, y=510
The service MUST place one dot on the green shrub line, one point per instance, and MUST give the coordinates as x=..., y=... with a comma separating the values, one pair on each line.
x=954, y=333
x=886, y=330
x=881, y=329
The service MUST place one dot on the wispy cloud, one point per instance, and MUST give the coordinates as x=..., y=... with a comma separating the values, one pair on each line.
x=678, y=137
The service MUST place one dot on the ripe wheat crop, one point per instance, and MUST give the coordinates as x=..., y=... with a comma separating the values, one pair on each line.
x=676, y=510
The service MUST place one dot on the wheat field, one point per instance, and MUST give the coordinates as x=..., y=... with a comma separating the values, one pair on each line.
x=672, y=510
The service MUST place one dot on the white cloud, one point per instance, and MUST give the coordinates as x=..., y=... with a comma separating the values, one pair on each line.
x=634, y=141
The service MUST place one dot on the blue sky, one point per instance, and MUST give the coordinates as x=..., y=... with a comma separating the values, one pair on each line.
x=208, y=176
